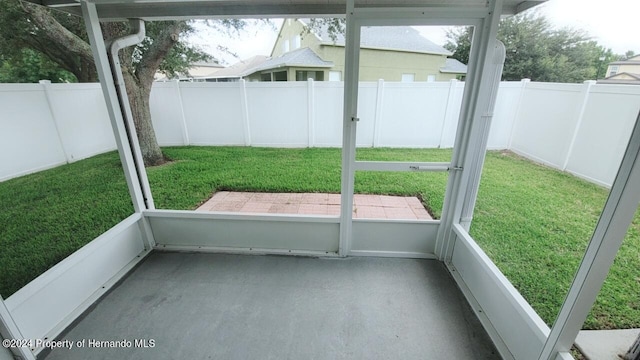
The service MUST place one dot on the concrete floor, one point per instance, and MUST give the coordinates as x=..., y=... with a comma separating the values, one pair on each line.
x=364, y=206
x=216, y=306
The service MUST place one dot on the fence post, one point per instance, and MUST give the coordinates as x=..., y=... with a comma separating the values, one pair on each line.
x=311, y=111
x=516, y=117
x=46, y=86
x=586, y=90
x=244, y=109
x=448, y=110
x=377, y=119
x=185, y=131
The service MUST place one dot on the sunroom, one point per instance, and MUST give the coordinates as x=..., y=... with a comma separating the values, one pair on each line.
x=185, y=284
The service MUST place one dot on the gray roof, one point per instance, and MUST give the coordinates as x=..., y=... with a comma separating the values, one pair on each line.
x=241, y=68
x=615, y=79
x=303, y=57
x=212, y=64
x=635, y=76
x=454, y=66
x=625, y=62
x=403, y=38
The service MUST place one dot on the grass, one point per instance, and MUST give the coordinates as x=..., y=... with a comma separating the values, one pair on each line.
x=46, y=216
x=534, y=222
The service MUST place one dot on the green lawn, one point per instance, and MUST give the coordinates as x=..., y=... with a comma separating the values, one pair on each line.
x=534, y=222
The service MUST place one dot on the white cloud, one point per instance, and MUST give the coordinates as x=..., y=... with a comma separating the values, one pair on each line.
x=256, y=39
x=613, y=23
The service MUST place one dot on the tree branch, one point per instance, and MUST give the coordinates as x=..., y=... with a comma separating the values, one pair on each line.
x=149, y=64
x=55, y=32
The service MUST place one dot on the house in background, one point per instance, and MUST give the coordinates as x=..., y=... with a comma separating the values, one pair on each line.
x=391, y=53
x=623, y=72
x=238, y=70
x=198, y=71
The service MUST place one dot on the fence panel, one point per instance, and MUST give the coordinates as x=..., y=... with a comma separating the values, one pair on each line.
x=413, y=114
x=278, y=114
x=213, y=113
x=82, y=118
x=29, y=140
x=504, y=115
x=546, y=121
x=328, y=101
x=582, y=128
x=368, y=95
x=604, y=132
x=167, y=114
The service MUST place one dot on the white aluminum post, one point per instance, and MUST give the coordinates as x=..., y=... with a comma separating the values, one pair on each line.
x=114, y=109
x=9, y=331
x=477, y=92
x=483, y=123
x=604, y=245
x=351, y=70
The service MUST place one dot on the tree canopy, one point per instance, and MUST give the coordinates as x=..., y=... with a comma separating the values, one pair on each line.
x=39, y=43
x=537, y=51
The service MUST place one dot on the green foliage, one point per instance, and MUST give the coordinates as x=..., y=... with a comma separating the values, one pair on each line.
x=24, y=44
x=27, y=45
x=333, y=27
x=537, y=51
x=29, y=66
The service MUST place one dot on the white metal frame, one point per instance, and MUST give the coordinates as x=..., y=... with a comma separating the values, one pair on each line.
x=516, y=329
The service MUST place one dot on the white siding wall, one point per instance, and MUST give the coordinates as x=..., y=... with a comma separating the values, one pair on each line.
x=580, y=128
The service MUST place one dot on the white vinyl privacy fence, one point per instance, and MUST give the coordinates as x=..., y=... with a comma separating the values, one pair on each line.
x=579, y=128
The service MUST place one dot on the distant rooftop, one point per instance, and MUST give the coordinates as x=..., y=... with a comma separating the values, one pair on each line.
x=622, y=78
x=634, y=60
x=304, y=57
x=241, y=68
x=454, y=66
x=402, y=38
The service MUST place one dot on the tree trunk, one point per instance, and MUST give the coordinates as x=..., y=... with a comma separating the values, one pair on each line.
x=141, y=111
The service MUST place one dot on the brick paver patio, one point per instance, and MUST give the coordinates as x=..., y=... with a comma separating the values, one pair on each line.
x=365, y=206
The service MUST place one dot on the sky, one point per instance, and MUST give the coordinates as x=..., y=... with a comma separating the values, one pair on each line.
x=614, y=24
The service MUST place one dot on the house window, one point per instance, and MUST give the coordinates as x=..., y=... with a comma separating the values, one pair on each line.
x=335, y=75
x=408, y=77
x=313, y=75
x=614, y=70
x=280, y=76
x=285, y=46
x=265, y=77
x=431, y=78
x=296, y=42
